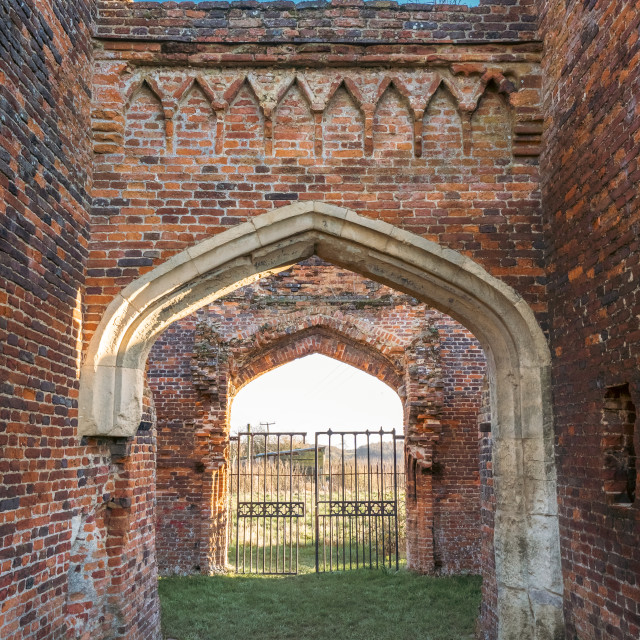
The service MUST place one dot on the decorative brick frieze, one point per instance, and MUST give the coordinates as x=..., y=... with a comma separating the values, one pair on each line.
x=156, y=105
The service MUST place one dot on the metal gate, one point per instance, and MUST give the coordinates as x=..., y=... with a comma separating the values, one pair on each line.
x=336, y=505
x=270, y=504
x=357, y=498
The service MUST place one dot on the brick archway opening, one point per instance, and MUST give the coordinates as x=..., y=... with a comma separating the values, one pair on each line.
x=318, y=341
x=373, y=353
x=526, y=530
x=296, y=336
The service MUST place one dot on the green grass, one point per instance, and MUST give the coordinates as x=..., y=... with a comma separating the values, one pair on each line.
x=350, y=605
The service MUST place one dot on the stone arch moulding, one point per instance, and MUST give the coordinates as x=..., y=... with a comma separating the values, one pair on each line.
x=526, y=536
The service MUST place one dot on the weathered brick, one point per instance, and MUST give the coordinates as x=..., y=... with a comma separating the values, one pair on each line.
x=170, y=170
x=317, y=308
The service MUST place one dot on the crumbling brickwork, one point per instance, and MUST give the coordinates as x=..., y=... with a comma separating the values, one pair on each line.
x=198, y=365
x=205, y=116
x=590, y=169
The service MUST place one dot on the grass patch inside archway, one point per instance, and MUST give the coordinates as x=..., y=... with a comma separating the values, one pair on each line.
x=350, y=605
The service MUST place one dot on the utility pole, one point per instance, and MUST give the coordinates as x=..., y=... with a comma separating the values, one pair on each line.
x=267, y=425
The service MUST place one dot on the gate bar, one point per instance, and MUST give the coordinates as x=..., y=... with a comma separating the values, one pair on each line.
x=316, y=505
x=395, y=490
x=254, y=513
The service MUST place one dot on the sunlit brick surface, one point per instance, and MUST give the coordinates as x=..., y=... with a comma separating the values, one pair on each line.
x=592, y=71
x=200, y=118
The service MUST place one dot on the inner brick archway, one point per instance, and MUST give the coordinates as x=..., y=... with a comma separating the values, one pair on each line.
x=526, y=534
x=221, y=368
x=323, y=340
x=318, y=339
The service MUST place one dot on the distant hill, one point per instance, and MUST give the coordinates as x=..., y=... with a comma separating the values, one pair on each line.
x=374, y=453
x=336, y=452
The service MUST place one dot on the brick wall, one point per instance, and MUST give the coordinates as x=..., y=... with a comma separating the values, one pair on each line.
x=132, y=604
x=45, y=153
x=65, y=504
x=180, y=474
x=370, y=140
x=190, y=139
x=198, y=364
x=590, y=172
x=349, y=21
x=456, y=482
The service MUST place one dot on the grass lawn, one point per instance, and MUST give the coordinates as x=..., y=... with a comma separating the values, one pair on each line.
x=350, y=605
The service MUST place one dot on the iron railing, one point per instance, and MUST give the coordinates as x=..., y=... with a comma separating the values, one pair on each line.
x=336, y=505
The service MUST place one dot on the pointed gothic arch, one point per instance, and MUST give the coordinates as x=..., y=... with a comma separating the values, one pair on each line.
x=526, y=526
x=323, y=339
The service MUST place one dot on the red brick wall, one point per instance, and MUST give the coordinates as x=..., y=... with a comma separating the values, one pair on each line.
x=132, y=597
x=590, y=172
x=348, y=21
x=474, y=189
x=45, y=153
x=313, y=308
x=456, y=479
x=180, y=476
x=68, y=510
